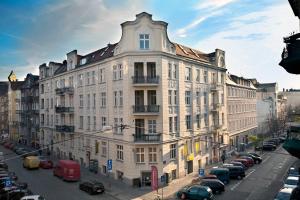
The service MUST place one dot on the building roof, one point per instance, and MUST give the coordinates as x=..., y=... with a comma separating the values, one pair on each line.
x=192, y=53
x=16, y=85
x=235, y=80
x=3, y=88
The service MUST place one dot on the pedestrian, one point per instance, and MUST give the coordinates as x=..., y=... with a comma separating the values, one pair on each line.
x=223, y=158
x=40, y=152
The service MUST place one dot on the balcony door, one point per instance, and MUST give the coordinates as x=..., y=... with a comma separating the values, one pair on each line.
x=138, y=69
x=139, y=98
x=139, y=128
x=151, y=97
x=151, y=70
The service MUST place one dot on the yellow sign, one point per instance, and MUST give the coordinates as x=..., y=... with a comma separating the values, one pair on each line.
x=190, y=157
x=185, y=150
x=197, y=147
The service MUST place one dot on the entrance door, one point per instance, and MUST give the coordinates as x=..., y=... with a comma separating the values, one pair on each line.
x=189, y=166
x=146, y=178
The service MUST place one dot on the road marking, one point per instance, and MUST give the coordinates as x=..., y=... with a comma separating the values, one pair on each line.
x=266, y=159
x=238, y=183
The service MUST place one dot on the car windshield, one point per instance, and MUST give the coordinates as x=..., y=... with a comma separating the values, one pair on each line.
x=291, y=182
x=282, y=196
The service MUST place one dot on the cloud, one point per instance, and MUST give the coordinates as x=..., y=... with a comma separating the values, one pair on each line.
x=62, y=26
x=182, y=32
x=254, y=49
x=213, y=4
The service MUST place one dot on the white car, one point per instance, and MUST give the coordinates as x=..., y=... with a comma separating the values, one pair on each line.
x=284, y=193
x=291, y=182
x=33, y=197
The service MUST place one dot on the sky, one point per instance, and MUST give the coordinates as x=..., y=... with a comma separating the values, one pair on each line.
x=34, y=32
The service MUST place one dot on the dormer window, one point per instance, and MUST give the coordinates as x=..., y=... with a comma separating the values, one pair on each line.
x=144, y=41
x=82, y=61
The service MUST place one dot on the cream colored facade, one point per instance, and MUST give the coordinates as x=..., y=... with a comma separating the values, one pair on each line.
x=241, y=101
x=170, y=98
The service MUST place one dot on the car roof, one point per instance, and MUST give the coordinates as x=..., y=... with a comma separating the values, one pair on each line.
x=286, y=190
x=292, y=178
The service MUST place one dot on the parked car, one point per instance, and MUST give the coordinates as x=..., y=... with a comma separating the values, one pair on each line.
x=7, y=144
x=31, y=162
x=68, y=170
x=295, y=193
x=92, y=187
x=11, y=175
x=11, y=146
x=33, y=197
x=239, y=164
x=14, y=193
x=284, y=194
x=276, y=141
x=3, y=165
x=214, y=184
x=45, y=163
x=291, y=182
x=266, y=147
x=243, y=161
x=221, y=173
x=21, y=185
x=257, y=159
x=249, y=159
x=19, y=150
x=282, y=139
x=195, y=192
x=293, y=172
x=236, y=172
x=209, y=176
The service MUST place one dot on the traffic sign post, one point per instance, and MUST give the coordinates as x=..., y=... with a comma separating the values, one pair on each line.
x=109, y=165
x=201, y=172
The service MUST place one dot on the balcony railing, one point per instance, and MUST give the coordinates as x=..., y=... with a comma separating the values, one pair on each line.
x=62, y=109
x=145, y=108
x=61, y=91
x=65, y=128
x=215, y=86
x=216, y=107
x=145, y=79
x=147, y=137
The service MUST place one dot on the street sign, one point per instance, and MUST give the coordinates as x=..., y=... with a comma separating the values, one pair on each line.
x=201, y=172
x=163, y=179
x=109, y=165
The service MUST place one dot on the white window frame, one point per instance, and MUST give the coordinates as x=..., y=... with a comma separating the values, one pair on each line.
x=144, y=41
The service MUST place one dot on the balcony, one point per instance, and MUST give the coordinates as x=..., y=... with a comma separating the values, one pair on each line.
x=216, y=107
x=146, y=109
x=64, y=90
x=147, y=138
x=27, y=99
x=63, y=109
x=217, y=125
x=290, y=59
x=65, y=128
x=145, y=80
x=215, y=86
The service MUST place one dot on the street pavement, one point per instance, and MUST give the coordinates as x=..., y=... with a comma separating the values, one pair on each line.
x=262, y=181
x=43, y=182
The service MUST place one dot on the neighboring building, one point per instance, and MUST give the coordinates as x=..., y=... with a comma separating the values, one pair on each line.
x=292, y=97
x=3, y=107
x=14, y=106
x=29, y=125
x=267, y=101
x=241, y=110
x=169, y=97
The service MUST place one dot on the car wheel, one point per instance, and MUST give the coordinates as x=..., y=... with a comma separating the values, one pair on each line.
x=205, y=199
x=257, y=162
x=90, y=191
x=183, y=196
x=239, y=177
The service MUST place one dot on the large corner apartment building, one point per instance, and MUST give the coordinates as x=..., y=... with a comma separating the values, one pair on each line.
x=144, y=101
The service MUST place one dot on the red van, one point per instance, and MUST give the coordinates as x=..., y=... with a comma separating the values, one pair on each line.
x=68, y=170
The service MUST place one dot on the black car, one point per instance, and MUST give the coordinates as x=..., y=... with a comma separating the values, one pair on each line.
x=239, y=164
x=266, y=147
x=236, y=172
x=214, y=184
x=92, y=187
x=13, y=193
x=3, y=165
x=256, y=158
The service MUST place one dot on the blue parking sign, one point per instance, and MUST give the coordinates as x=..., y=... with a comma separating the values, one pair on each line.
x=8, y=183
x=201, y=172
x=109, y=165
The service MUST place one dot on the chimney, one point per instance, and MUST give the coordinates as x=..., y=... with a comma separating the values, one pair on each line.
x=72, y=59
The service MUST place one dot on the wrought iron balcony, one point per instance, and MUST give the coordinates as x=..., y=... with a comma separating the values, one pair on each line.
x=147, y=137
x=215, y=86
x=216, y=107
x=65, y=128
x=27, y=99
x=62, y=91
x=154, y=109
x=145, y=80
x=63, y=109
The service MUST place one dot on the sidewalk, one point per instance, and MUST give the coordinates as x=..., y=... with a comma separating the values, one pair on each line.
x=121, y=191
